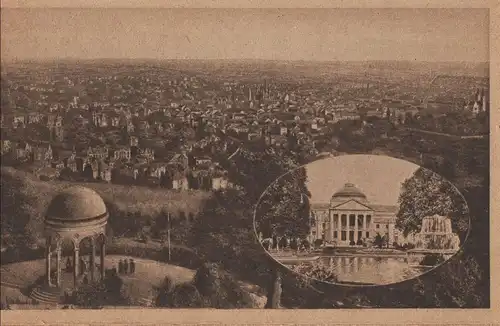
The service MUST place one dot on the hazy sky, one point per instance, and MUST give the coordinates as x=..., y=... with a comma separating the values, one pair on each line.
x=288, y=34
x=378, y=177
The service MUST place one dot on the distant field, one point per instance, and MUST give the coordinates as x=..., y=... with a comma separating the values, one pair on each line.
x=147, y=200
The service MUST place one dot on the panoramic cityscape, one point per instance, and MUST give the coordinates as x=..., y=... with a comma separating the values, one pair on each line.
x=163, y=165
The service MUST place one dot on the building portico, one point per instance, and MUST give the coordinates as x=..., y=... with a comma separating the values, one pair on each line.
x=350, y=219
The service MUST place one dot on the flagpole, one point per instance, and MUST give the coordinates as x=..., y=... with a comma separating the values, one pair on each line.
x=168, y=236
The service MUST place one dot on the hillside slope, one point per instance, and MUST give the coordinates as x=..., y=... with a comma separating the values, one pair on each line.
x=25, y=200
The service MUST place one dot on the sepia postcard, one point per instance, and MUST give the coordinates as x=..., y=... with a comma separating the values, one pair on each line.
x=239, y=162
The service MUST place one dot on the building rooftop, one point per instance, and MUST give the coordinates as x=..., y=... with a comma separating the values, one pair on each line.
x=76, y=205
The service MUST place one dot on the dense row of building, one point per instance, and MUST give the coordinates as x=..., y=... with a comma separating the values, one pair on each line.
x=139, y=127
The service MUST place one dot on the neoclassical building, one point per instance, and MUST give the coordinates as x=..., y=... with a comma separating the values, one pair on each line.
x=349, y=216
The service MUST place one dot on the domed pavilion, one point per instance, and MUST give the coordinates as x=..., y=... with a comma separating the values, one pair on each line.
x=74, y=215
x=350, y=217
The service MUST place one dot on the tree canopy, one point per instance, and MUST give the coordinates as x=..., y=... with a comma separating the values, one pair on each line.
x=425, y=194
x=284, y=207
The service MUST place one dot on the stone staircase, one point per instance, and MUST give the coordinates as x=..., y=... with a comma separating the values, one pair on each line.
x=46, y=295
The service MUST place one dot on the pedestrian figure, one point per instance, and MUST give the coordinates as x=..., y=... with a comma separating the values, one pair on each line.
x=68, y=265
x=113, y=271
x=132, y=266
x=66, y=297
x=82, y=267
x=120, y=267
x=125, y=266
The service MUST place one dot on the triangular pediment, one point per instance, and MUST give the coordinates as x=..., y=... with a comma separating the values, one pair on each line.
x=352, y=205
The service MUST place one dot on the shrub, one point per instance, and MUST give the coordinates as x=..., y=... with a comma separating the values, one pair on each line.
x=316, y=270
x=164, y=292
x=318, y=243
x=90, y=296
x=432, y=260
x=185, y=296
x=231, y=295
x=109, y=292
x=206, y=279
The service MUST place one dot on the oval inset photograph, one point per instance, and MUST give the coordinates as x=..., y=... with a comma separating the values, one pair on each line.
x=361, y=220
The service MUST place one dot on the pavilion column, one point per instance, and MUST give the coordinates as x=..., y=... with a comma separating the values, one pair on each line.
x=103, y=253
x=339, y=228
x=92, y=259
x=58, y=265
x=76, y=259
x=48, y=258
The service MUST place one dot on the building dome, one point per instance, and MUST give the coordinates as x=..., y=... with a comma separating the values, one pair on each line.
x=76, y=206
x=348, y=191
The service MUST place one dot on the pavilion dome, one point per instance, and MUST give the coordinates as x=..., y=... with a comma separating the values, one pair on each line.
x=348, y=191
x=76, y=206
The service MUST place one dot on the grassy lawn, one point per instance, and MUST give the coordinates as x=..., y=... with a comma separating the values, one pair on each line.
x=12, y=295
x=149, y=274
x=22, y=274
x=152, y=271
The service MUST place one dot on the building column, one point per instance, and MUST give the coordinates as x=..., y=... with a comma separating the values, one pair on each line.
x=364, y=225
x=390, y=232
x=355, y=229
x=348, y=228
x=76, y=259
x=331, y=226
x=339, y=228
x=58, y=265
x=103, y=253
x=48, y=258
x=92, y=259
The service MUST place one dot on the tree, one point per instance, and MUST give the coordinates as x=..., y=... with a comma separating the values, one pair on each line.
x=425, y=193
x=21, y=216
x=206, y=279
x=380, y=241
x=223, y=232
x=274, y=295
x=88, y=172
x=284, y=209
x=454, y=284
